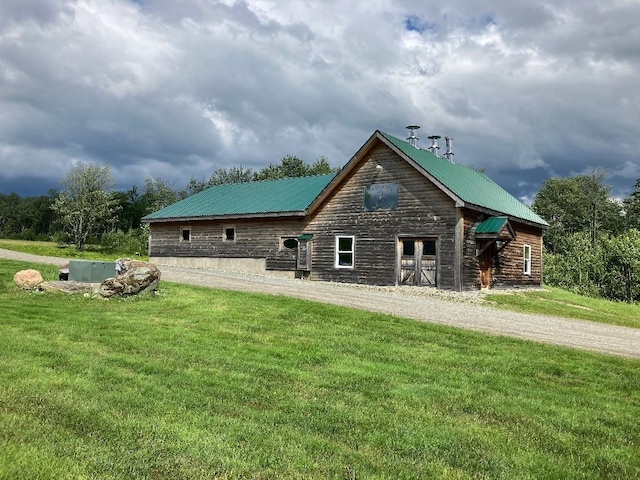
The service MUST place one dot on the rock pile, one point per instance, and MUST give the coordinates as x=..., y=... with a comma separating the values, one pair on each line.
x=133, y=277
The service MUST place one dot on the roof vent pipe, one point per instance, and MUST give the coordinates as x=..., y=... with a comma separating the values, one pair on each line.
x=449, y=151
x=413, y=138
x=433, y=148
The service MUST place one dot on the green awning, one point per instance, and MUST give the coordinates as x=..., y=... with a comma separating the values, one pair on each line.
x=492, y=225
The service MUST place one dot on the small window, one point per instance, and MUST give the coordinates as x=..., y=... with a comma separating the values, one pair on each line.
x=185, y=234
x=345, y=252
x=408, y=248
x=527, y=260
x=429, y=247
x=229, y=234
x=288, y=243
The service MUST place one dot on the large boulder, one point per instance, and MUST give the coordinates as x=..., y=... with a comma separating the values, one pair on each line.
x=28, y=279
x=134, y=277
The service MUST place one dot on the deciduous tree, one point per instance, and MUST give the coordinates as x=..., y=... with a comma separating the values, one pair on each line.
x=576, y=204
x=85, y=203
x=632, y=207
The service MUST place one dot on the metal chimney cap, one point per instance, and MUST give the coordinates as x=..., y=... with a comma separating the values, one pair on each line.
x=413, y=138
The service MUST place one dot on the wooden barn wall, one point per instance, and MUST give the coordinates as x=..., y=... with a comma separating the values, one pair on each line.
x=471, y=263
x=423, y=211
x=508, y=263
x=253, y=239
x=509, y=266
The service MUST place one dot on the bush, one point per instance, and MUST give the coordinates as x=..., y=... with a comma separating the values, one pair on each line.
x=621, y=280
x=610, y=268
x=133, y=242
x=578, y=266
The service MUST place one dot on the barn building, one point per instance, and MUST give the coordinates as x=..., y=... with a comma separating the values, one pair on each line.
x=395, y=214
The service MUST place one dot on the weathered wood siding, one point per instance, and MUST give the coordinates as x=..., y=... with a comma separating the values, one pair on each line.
x=423, y=211
x=508, y=268
x=254, y=238
x=508, y=262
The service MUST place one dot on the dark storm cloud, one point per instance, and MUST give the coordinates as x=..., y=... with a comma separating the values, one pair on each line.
x=159, y=88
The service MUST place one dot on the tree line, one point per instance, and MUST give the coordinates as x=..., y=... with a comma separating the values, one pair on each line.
x=592, y=246
x=88, y=210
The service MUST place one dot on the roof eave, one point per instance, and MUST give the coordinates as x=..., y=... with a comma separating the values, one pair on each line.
x=503, y=214
x=294, y=214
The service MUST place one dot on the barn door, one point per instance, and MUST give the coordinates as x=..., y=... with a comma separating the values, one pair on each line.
x=417, y=262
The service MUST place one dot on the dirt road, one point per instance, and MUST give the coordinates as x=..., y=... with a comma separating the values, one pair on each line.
x=447, y=308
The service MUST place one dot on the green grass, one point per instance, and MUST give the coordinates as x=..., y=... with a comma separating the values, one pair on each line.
x=52, y=249
x=198, y=383
x=555, y=301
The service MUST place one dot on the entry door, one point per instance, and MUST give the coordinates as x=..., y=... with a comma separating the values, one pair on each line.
x=417, y=262
x=486, y=264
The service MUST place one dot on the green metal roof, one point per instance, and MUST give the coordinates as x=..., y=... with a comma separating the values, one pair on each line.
x=492, y=225
x=273, y=196
x=471, y=186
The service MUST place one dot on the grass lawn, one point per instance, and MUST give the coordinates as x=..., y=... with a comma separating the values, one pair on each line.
x=555, y=301
x=52, y=249
x=197, y=383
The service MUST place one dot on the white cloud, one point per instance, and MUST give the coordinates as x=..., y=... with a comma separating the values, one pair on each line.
x=179, y=89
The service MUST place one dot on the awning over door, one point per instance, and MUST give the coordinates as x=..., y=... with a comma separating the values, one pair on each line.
x=495, y=228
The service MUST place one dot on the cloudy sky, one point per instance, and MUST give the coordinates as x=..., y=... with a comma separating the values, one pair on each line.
x=177, y=89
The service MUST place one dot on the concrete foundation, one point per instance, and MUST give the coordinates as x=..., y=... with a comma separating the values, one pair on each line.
x=240, y=265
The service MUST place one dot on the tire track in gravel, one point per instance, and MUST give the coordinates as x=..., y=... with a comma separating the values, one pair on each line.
x=409, y=303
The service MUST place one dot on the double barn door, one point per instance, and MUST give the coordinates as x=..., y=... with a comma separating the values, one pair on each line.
x=418, y=262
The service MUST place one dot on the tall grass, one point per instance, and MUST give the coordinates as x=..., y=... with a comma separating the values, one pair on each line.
x=198, y=383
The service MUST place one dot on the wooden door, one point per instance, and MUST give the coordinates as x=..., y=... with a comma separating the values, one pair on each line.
x=486, y=264
x=408, y=262
x=417, y=262
x=428, y=263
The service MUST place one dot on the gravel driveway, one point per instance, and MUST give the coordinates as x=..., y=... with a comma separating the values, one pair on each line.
x=463, y=310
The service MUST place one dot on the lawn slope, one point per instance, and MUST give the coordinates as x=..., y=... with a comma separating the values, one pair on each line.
x=198, y=383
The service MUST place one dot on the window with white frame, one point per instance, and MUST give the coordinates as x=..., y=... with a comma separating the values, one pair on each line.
x=527, y=260
x=345, y=251
x=185, y=234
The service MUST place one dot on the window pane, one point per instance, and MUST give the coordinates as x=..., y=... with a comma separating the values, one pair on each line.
x=186, y=234
x=345, y=244
x=345, y=259
x=230, y=233
x=429, y=247
x=408, y=248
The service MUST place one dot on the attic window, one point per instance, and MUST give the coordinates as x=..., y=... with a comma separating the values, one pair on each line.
x=229, y=234
x=185, y=234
